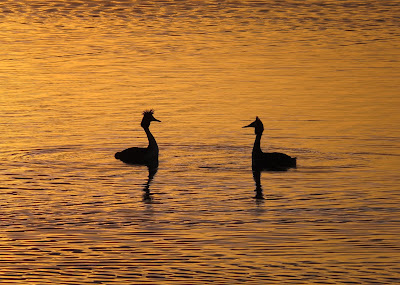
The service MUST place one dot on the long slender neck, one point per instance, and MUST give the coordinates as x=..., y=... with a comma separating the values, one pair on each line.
x=257, y=144
x=150, y=137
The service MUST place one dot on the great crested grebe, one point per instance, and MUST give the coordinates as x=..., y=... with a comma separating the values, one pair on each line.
x=140, y=155
x=274, y=161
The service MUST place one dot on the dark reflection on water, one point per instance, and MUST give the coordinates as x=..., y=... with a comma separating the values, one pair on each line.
x=257, y=180
x=147, y=195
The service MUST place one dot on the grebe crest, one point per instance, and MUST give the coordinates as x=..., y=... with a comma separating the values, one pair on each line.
x=148, y=117
x=257, y=125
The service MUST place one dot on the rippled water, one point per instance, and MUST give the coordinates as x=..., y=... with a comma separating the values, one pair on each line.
x=322, y=75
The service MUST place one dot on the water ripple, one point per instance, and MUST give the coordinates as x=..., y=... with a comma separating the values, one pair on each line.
x=76, y=76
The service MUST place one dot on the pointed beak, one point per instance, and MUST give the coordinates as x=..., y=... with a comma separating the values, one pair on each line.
x=248, y=126
x=154, y=119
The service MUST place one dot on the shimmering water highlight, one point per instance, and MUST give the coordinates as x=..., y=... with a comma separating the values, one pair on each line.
x=75, y=77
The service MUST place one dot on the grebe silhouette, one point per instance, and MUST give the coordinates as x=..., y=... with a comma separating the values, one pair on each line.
x=272, y=161
x=139, y=155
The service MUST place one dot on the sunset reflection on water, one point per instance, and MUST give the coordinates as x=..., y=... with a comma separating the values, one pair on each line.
x=76, y=76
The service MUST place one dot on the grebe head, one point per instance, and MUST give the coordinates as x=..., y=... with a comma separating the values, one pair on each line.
x=148, y=118
x=257, y=125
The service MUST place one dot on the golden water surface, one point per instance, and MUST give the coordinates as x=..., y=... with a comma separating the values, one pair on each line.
x=323, y=76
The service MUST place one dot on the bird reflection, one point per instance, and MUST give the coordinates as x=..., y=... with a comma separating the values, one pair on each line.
x=147, y=195
x=257, y=179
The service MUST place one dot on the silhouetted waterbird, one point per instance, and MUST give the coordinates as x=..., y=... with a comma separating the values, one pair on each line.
x=139, y=155
x=273, y=161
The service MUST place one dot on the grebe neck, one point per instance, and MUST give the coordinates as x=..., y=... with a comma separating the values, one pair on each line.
x=257, y=144
x=150, y=137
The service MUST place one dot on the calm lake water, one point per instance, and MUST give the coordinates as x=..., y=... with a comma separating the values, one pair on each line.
x=75, y=77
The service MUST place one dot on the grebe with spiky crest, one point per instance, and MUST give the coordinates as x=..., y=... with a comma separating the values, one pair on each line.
x=273, y=161
x=138, y=155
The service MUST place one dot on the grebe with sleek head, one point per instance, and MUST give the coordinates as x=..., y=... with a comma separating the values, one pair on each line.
x=138, y=155
x=274, y=161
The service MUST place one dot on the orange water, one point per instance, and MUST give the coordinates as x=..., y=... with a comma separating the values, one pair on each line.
x=323, y=77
